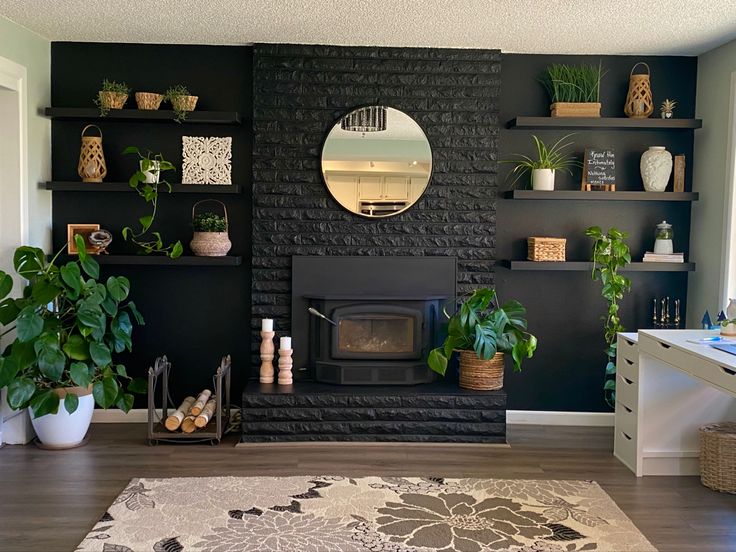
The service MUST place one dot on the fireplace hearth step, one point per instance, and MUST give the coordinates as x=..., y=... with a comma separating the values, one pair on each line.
x=435, y=412
x=368, y=414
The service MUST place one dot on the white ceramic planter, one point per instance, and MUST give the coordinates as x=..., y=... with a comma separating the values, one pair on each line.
x=543, y=179
x=64, y=430
x=152, y=175
x=656, y=167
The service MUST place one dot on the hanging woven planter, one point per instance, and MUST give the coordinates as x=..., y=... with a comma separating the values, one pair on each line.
x=91, y=167
x=639, y=102
x=210, y=244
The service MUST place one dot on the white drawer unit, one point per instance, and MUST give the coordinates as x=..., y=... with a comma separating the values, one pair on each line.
x=667, y=386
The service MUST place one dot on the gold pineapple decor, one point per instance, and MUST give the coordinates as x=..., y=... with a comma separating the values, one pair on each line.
x=667, y=107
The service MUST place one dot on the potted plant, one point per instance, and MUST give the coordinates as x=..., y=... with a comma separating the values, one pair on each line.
x=610, y=254
x=146, y=181
x=210, y=232
x=112, y=96
x=181, y=101
x=68, y=327
x=542, y=169
x=482, y=332
x=574, y=90
x=667, y=108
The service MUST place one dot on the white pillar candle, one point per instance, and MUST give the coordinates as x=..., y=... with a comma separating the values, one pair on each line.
x=285, y=343
x=267, y=324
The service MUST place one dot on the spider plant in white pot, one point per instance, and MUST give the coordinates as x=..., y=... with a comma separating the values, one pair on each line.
x=542, y=169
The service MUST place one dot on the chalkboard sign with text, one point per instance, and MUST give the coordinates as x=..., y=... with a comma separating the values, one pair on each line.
x=599, y=170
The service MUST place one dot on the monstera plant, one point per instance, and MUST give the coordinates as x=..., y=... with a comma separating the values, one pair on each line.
x=67, y=327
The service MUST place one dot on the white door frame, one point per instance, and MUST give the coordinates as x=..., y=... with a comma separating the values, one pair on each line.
x=728, y=258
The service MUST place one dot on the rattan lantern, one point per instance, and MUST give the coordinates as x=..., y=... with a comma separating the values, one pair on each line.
x=639, y=102
x=91, y=166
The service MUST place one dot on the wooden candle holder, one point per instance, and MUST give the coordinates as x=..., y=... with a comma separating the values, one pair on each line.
x=267, y=354
x=285, y=365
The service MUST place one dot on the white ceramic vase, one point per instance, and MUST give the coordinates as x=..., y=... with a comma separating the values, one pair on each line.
x=63, y=430
x=543, y=179
x=656, y=167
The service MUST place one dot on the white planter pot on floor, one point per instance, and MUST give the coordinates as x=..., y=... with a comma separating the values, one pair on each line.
x=64, y=430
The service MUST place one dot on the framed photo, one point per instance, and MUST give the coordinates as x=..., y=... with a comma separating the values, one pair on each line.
x=83, y=230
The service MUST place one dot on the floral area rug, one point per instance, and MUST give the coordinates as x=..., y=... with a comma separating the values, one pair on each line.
x=376, y=514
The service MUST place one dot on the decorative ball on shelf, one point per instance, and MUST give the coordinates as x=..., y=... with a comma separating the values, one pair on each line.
x=639, y=102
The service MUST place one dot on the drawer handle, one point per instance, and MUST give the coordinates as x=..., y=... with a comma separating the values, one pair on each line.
x=626, y=436
x=627, y=409
x=664, y=345
x=626, y=380
x=629, y=362
x=728, y=371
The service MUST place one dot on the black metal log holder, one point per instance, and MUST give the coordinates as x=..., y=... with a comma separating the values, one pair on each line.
x=213, y=432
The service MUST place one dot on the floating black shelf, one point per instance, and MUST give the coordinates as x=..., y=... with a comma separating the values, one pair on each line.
x=601, y=196
x=124, y=187
x=163, y=115
x=604, y=123
x=160, y=260
x=587, y=266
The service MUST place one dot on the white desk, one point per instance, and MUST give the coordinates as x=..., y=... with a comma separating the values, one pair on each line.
x=666, y=388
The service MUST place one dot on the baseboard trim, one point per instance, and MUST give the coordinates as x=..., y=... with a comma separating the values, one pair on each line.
x=556, y=418
x=519, y=417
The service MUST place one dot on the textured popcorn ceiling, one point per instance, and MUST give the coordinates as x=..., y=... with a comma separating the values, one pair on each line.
x=551, y=26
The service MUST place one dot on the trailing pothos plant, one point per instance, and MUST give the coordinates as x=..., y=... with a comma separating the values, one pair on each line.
x=153, y=243
x=67, y=326
x=481, y=325
x=610, y=254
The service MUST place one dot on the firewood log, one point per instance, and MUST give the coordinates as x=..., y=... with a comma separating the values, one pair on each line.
x=187, y=425
x=173, y=422
x=209, y=410
x=200, y=402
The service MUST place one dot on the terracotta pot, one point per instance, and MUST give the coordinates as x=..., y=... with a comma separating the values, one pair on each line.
x=63, y=430
x=479, y=374
x=210, y=244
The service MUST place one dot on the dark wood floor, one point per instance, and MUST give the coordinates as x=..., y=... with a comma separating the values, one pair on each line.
x=50, y=500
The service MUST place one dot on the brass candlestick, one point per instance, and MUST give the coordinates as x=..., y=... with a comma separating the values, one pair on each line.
x=267, y=353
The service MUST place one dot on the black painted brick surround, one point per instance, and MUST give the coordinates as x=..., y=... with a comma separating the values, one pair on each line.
x=299, y=93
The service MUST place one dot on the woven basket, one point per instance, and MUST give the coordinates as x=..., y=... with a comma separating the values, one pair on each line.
x=639, y=101
x=718, y=456
x=112, y=100
x=479, y=374
x=546, y=249
x=575, y=109
x=211, y=244
x=148, y=100
x=184, y=103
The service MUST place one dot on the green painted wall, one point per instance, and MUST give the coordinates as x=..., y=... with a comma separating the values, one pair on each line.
x=34, y=53
x=710, y=179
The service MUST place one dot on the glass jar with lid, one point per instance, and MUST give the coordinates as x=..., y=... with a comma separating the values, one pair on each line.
x=663, y=239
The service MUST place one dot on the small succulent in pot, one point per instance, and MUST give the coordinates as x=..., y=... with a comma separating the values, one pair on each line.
x=549, y=159
x=182, y=102
x=667, y=108
x=112, y=96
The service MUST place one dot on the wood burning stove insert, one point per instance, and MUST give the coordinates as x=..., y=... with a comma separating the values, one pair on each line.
x=373, y=340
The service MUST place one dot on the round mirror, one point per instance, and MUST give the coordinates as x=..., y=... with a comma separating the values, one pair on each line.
x=376, y=161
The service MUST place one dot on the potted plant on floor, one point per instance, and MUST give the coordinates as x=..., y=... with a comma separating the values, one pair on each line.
x=210, y=232
x=542, y=169
x=574, y=90
x=68, y=326
x=482, y=332
x=112, y=96
x=182, y=102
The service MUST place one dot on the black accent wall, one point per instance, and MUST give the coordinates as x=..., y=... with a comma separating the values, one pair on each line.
x=299, y=94
x=193, y=314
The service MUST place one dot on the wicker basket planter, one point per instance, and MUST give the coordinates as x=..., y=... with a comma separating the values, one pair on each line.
x=148, y=100
x=112, y=100
x=479, y=374
x=574, y=109
x=184, y=103
x=718, y=456
x=546, y=249
x=211, y=244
